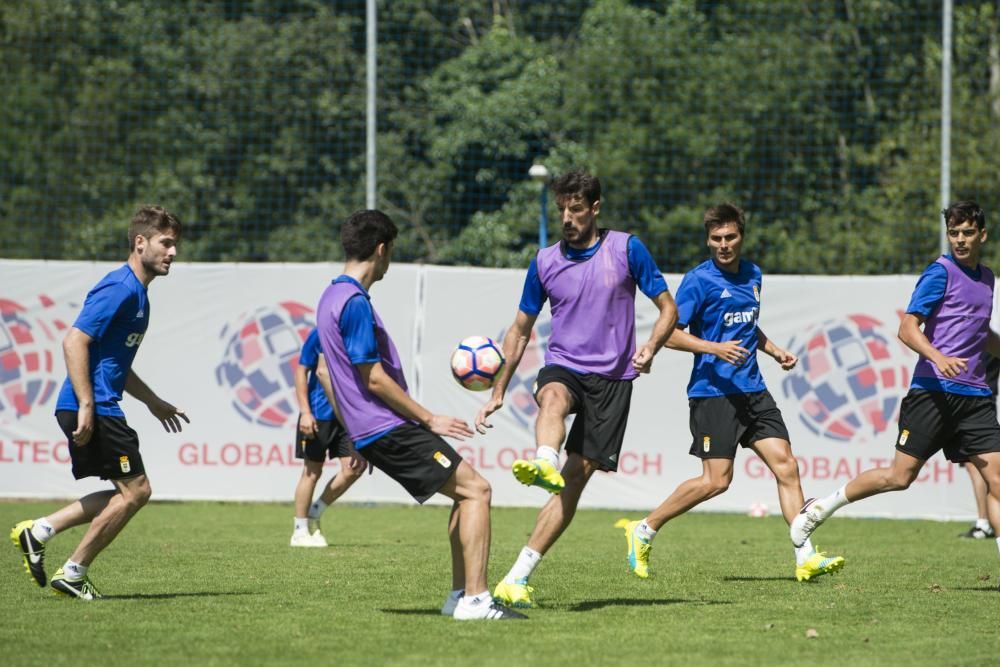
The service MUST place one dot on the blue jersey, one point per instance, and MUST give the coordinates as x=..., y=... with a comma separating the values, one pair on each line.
x=309, y=358
x=115, y=315
x=718, y=306
x=644, y=272
x=926, y=297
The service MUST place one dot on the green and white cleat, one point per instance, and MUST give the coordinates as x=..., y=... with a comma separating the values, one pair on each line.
x=514, y=595
x=538, y=472
x=817, y=565
x=32, y=550
x=638, y=548
x=81, y=589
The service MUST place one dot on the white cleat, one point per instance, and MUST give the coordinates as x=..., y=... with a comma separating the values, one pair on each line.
x=303, y=540
x=319, y=540
x=805, y=522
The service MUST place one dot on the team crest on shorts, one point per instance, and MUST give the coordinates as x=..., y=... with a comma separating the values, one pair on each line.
x=706, y=443
x=903, y=435
x=124, y=464
x=442, y=459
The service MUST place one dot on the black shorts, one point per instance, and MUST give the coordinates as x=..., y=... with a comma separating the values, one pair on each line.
x=419, y=460
x=719, y=423
x=113, y=450
x=331, y=440
x=601, y=406
x=930, y=421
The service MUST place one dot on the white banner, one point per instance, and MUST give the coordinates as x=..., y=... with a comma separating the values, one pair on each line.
x=224, y=338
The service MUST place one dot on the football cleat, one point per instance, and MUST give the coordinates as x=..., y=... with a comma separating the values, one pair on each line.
x=538, y=472
x=494, y=612
x=515, y=595
x=808, y=519
x=818, y=564
x=977, y=533
x=304, y=540
x=448, y=608
x=638, y=548
x=32, y=550
x=319, y=540
x=80, y=588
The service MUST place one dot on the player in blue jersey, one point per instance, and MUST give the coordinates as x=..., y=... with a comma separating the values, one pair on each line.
x=318, y=436
x=718, y=303
x=589, y=278
x=99, y=351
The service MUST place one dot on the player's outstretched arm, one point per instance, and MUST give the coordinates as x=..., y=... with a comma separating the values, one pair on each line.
x=379, y=383
x=642, y=361
x=307, y=422
x=780, y=354
x=169, y=415
x=913, y=337
x=76, y=350
x=515, y=342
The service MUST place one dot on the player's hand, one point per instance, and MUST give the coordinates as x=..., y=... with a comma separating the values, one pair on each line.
x=357, y=463
x=84, y=426
x=453, y=427
x=731, y=351
x=491, y=406
x=642, y=361
x=952, y=366
x=308, y=426
x=785, y=358
x=168, y=415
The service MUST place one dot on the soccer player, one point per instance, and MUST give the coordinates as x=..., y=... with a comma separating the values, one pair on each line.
x=99, y=350
x=392, y=431
x=949, y=405
x=718, y=303
x=319, y=434
x=590, y=278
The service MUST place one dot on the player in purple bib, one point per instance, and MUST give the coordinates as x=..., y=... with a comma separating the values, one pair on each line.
x=589, y=278
x=950, y=406
x=396, y=434
x=99, y=350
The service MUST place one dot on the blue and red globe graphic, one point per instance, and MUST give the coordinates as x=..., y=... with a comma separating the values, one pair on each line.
x=851, y=378
x=261, y=354
x=520, y=391
x=30, y=337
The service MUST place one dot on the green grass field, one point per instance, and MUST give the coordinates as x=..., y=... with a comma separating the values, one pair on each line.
x=207, y=583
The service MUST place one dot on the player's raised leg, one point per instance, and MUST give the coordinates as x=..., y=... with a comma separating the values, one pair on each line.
x=554, y=405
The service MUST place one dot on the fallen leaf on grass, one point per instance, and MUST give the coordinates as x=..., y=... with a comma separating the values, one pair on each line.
x=812, y=633
x=936, y=588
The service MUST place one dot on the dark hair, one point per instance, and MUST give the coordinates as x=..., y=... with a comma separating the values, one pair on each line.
x=964, y=211
x=150, y=220
x=363, y=231
x=722, y=214
x=577, y=183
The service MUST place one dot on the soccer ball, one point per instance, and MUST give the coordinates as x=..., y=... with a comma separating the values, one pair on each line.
x=758, y=510
x=476, y=362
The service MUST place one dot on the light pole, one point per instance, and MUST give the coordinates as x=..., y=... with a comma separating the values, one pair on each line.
x=540, y=175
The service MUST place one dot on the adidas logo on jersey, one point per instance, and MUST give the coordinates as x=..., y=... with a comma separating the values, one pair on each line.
x=139, y=314
x=725, y=294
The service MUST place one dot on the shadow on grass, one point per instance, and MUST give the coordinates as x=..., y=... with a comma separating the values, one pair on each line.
x=591, y=605
x=759, y=579
x=171, y=596
x=978, y=589
x=413, y=612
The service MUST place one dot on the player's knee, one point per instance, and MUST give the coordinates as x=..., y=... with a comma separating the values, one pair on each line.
x=786, y=470
x=138, y=495
x=714, y=486
x=898, y=481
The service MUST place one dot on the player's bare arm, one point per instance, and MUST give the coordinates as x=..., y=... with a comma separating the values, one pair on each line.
x=515, y=342
x=662, y=328
x=307, y=422
x=379, y=383
x=76, y=350
x=169, y=415
x=786, y=359
x=912, y=335
x=730, y=350
x=323, y=375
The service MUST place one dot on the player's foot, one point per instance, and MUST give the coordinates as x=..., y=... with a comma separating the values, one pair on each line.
x=492, y=612
x=805, y=522
x=303, y=540
x=538, y=472
x=314, y=526
x=818, y=564
x=448, y=608
x=977, y=533
x=319, y=540
x=79, y=588
x=514, y=595
x=32, y=550
x=638, y=548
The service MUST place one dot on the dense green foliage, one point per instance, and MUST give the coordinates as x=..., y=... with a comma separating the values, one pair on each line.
x=217, y=584
x=247, y=118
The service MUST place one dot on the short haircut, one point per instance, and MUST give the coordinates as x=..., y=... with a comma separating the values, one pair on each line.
x=150, y=220
x=722, y=214
x=363, y=231
x=964, y=211
x=577, y=183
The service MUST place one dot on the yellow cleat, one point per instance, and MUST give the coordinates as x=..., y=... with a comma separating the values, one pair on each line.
x=514, y=595
x=32, y=550
x=638, y=548
x=538, y=472
x=818, y=564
